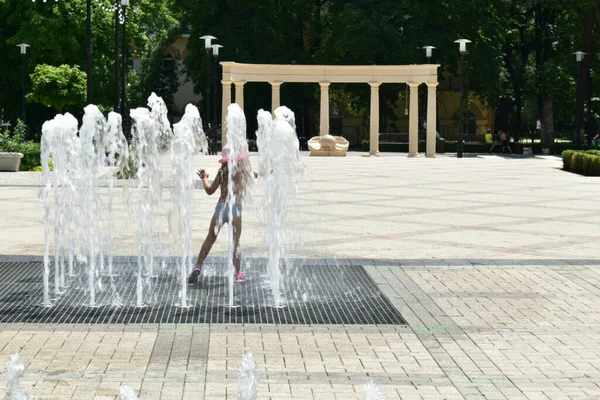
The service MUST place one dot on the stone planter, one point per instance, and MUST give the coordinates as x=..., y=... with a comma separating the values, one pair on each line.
x=10, y=161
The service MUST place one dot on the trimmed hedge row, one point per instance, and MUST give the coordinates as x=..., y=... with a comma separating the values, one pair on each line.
x=582, y=162
x=447, y=146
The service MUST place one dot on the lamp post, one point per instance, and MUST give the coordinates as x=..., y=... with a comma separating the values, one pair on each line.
x=124, y=115
x=23, y=47
x=579, y=101
x=462, y=47
x=207, y=46
x=428, y=53
x=89, y=52
x=117, y=87
x=215, y=51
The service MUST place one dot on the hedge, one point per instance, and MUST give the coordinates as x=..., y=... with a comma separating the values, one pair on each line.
x=447, y=146
x=586, y=162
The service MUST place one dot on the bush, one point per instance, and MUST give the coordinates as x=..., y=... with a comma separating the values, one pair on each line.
x=15, y=143
x=447, y=146
x=582, y=162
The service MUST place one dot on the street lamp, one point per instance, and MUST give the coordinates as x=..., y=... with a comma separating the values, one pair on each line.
x=117, y=20
x=579, y=101
x=207, y=46
x=428, y=53
x=215, y=51
x=462, y=47
x=23, y=47
x=124, y=116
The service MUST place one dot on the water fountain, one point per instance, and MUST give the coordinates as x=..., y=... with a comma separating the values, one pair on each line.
x=151, y=135
x=83, y=225
x=91, y=133
x=14, y=369
x=60, y=141
x=248, y=378
x=127, y=393
x=238, y=161
x=115, y=144
x=188, y=136
x=79, y=201
x=372, y=392
x=281, y=171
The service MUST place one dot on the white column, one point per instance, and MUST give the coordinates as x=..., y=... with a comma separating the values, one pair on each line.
x=226, y=101
x=324, y=129
x=275, y=95
x=431, y=118
x=413, y=120
x=239, y=93
x=374, y=127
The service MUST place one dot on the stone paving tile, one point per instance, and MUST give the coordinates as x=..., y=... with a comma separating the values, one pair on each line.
x=495, y=271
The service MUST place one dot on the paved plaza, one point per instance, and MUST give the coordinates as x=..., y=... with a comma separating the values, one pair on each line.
x=493, y=262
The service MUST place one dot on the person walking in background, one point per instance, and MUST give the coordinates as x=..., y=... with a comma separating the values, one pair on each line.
x=505, y=143
x=489, y=139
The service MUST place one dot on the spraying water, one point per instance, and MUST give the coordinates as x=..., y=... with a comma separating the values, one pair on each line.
x=281, y=171
x=115, y=144
x=81, y=226
x=238, y=182
x=188, y=135
x=14, y=369
x=372, y=392
x=151, y=135
x=127, y=393
x=91, y=133
x=59, y=141
x=248, y=378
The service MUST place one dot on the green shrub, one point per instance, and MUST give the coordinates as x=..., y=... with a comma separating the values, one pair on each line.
x=582, y=162
x=16, y=143
x=567, y=157
x=129, y=165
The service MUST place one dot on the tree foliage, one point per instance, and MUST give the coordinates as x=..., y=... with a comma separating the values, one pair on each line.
x=57, y=87
x=57, y=34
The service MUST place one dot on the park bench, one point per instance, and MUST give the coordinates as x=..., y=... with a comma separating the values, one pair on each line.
x=393, y=137
x=474, y=138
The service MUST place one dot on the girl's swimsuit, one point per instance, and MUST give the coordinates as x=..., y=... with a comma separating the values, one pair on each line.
x=222, y=212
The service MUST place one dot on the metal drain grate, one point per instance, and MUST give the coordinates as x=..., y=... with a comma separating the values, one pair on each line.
x=314, y=295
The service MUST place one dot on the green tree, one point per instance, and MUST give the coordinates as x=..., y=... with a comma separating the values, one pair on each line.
x=58, y=87
x=57, y=34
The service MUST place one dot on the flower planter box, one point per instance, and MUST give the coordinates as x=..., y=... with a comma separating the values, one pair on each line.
x=10, y=161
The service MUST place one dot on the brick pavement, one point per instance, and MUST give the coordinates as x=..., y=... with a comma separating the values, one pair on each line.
x=493, y=262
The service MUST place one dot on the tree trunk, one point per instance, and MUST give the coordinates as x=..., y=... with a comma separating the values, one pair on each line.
x=547, y=119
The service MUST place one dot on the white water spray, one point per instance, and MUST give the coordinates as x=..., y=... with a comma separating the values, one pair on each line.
x=115, y=144
x=127, y=393
x=151, y=135
x=248, y=379
x=188, y=135
x=61, y=145
x=281, y=171
x=91, y=133
x=239, y=179
x=372, y=392
x=14, y=369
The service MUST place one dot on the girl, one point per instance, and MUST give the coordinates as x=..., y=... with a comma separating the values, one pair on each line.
x=241, y=178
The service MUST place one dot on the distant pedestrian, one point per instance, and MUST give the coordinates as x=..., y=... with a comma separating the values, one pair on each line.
x=489, y=139
x=505, y=142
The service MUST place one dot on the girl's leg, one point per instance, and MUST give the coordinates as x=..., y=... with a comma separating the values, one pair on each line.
x=211, y=237
x=237, y=253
